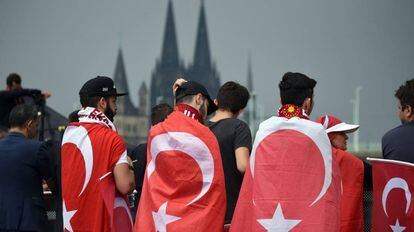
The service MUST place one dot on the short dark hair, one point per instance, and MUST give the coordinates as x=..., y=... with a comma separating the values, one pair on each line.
x=295, y=88
x=13, y=77
x=232, y=97
x=405, y=93
x=160, y=112
x=74, y=117
x=185, y=99
x=87, y=101
x=21, y=114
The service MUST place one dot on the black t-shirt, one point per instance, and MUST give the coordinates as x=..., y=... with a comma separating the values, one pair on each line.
x=231, y=134
x=140, y=155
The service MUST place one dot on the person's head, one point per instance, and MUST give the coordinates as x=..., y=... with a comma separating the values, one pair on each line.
x=232, y=97
x=195, y=95
x=405, y=96
x=14, y=82
x=100, y=93
x=337, y=130
x=297, y=89
x=160, y=112
x=24, y=118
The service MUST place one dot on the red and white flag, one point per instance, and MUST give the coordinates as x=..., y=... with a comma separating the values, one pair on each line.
x=292, y=183
x=352, y=184
x=90, y=149
x=393, y=183
x=184, y=184
x=116, y=204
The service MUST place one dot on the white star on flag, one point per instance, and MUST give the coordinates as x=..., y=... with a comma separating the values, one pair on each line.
x=278, y=223
x=67, y=216
x=397, y=227
x=162, y=219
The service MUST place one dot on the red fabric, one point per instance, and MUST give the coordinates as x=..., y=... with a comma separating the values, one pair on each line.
x=288, y=172
x=177, y=178
x=352, y=176
x=289, y=111
x=106, y=147
x=116, y=205
x=392, y=177
x=188, y=111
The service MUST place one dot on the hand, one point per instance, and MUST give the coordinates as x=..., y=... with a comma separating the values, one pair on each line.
x=46, y=94
x=177, y=84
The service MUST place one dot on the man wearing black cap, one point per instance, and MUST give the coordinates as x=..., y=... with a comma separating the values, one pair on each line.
x=93, y=150
x=184, y=186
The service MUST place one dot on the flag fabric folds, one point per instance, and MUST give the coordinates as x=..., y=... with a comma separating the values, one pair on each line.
x=393, y=184
x=120, y=217
x=352, y=184
x=292, y=183
x=184, y=184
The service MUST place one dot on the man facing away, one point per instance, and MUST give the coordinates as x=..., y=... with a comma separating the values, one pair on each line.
x=292, y=182
x=90, y=149
x=24, y=163
x=234, y=138
x=184, y=186
x=397, y=144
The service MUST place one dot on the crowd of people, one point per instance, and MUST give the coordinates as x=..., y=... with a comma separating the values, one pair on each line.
x=200, y=169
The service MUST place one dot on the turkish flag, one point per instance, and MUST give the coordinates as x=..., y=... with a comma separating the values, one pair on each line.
x=392, y=208
x=183, y=186
x=292, y=183
x=116, y=205
x=352, y=177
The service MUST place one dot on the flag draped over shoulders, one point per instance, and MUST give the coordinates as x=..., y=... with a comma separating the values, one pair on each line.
x=292, y=183
x=184, y=184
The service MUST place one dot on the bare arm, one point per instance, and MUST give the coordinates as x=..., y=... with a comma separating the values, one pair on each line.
x=124, y=177
x=242, y=158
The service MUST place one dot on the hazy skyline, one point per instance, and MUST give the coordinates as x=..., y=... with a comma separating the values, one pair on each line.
x=58, y=45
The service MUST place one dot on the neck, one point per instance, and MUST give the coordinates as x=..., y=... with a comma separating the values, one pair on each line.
x=222, y=114
x=18, y=130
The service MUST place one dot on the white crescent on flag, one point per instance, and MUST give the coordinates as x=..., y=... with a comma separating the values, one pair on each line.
x=394, y=183
x=314, y=131
x=78, y=135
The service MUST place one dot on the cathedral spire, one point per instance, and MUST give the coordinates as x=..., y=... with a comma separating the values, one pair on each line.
x=202, y=49
x=120, y=75
x=169, y=55
x=121, y=83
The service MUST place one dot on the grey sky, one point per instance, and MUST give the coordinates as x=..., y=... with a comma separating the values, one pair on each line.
x=58, y=45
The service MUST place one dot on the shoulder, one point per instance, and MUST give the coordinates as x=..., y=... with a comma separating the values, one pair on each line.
x=393, y=133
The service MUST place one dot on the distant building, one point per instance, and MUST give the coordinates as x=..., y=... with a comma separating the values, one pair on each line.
x=130, y=121
x=170, y=66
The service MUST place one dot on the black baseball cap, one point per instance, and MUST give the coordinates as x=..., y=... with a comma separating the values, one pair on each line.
x=194, y=88
x=100, y=86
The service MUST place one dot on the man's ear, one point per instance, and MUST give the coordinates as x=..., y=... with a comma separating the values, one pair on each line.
x=216, y=102
x=199, y=99
x=102, y=103
x=29, y=123
x=307, y=104
x=409, y=111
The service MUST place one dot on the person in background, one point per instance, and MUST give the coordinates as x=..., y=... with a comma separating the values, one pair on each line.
x=13, y=95
x=24, y=163
x=139, y=154
x=352, y=173
x=397, y=144
x=234, y=137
